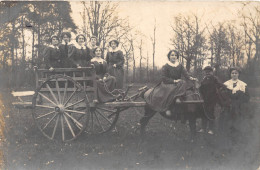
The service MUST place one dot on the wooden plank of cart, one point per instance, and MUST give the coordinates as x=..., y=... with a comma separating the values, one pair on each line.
x=65, y=103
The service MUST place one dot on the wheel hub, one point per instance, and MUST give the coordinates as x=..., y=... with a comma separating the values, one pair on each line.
x=60, y=109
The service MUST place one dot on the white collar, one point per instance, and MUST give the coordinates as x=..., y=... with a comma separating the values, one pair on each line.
x=80, y=46
x=173, y=64
x=52, y=46
x=92, y=47
x=97, y=59
x=63, y=43
x=114, y=50
x=240, y=85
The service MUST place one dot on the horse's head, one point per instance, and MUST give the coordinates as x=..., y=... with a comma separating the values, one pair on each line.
x=211, y=93
x=223, y=94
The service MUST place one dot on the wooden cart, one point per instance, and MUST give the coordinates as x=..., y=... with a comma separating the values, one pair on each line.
x=65, y=103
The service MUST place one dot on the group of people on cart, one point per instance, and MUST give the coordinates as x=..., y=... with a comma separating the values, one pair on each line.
x=110, y=75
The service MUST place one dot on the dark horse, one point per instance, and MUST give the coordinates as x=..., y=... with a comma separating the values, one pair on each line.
x=190, y=111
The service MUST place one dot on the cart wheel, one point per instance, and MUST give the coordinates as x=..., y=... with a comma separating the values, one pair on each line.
x=60, y=107
x=102, y=119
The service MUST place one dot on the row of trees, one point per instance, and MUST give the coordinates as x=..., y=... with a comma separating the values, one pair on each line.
x=223, y=44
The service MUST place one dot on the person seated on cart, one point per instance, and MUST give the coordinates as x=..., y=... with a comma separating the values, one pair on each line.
x=171, y=88
x=52, y=55
x=64, y=48
x=105, y=82
x=79, y=54
x=209, y=102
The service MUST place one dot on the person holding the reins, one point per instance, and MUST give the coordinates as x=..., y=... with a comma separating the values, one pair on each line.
x=171, y=88
x=105, y=82
x=115, y=60
x=209, y=101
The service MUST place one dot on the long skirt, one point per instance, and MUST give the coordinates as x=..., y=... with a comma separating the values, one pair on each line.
x=163, y=95
x=104, y=89
x=118, y=73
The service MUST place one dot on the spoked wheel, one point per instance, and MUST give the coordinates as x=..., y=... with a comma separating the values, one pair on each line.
x=102, y=119
x=60, y=107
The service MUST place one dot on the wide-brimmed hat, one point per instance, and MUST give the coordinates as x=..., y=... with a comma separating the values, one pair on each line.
x=234, y=68
x=209, y=68
x=117, y=42
x=65, y=33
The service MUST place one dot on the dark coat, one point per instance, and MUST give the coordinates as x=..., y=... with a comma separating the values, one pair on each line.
x=118, y=72
x=79, y=57
x=53, y=57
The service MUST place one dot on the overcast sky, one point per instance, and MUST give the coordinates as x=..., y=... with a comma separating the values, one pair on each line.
x=143, y=13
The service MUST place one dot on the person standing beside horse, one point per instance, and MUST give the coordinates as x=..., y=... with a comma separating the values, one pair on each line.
x=238, y=93
x=171, y=88
x=79, y=54
x=115, y=61
x=209, y=102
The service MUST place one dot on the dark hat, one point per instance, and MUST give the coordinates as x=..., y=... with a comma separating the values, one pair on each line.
x=234, y=68
x=54, y=36
x=117, y=42
x=208, y=68
x=65, y=33
x=93, y=36
x=79, y=36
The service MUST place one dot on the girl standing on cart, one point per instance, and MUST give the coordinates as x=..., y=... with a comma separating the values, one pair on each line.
x=171, y=88
x=79, y=54
x=52, y=55
x=93, y=45
x=64, y=48
x=105, y=83
x=115, y=61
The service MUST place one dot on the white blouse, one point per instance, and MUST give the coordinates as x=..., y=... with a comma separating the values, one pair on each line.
x=239, y=85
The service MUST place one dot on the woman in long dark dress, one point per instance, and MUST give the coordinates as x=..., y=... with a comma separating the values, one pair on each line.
x=171, y=88
x=115, y=60
x=52, y=55
x=93, y=45
x=79, y=54
x=105, y=83
x=64, y=48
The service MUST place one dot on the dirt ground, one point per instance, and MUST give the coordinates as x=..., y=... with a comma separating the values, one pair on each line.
x=167, y=145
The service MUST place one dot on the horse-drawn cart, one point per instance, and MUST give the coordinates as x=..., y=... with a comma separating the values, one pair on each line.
x=65, y=103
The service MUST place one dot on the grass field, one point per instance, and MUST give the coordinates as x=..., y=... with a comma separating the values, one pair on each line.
x=167, y=145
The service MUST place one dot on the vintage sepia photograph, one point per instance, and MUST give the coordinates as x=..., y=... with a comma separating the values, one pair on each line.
x=130, y=85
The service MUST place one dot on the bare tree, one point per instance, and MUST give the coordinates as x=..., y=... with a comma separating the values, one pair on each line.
x=189, y=39
x=153, y=39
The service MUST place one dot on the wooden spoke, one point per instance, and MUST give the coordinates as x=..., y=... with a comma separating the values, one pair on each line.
x=71, y=130
x=62, y=128
x=55, y=127
x=92, y=120
x=75, y=111
x=45, y=115
x=104, y=116
x=58, y=90
x=106, y=109
x=70, y=97
x=47, y=98
x=45, y=106
x=75, y=103
x=54, y=97
x=65, y=91
x=99, y=122
x=50, y=121
x=78, y=123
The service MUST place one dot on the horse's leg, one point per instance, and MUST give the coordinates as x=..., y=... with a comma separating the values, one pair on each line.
x=192, y=125
x=149, y=113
